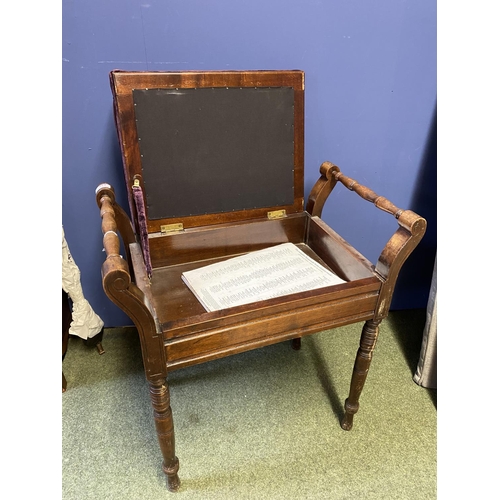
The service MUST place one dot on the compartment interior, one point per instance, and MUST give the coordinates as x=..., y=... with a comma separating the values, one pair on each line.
x=176, y=253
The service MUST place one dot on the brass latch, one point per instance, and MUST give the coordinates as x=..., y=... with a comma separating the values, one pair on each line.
x=172, y=228
x=276, y=214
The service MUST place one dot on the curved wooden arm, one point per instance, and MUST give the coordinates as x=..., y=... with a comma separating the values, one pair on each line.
x=399, y=247
x=396, y=251
x=118, y=285
x=132, y=301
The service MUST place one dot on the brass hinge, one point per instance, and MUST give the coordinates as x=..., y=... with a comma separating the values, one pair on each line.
x=172, y=228
x=276, y=214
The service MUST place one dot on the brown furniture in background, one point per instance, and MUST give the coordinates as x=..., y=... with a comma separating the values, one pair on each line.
x=95, y=341
x=214, y=168
x=66, y=322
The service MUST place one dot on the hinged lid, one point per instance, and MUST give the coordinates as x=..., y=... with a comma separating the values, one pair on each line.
x=214, y=146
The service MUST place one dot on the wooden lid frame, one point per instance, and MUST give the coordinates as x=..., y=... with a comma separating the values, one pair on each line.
x=126, y=84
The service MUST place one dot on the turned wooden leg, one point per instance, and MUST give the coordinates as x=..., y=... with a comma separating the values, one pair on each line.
x=160, y=398
x=361, y=365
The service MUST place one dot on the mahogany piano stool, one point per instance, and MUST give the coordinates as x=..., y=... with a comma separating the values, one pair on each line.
x=214, y=168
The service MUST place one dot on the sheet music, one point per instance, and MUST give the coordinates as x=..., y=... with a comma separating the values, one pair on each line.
x=260, y=275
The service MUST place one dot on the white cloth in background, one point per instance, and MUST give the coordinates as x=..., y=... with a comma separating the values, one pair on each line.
x=85, y=322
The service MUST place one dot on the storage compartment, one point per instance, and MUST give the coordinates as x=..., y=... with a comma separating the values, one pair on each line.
x=194, y=335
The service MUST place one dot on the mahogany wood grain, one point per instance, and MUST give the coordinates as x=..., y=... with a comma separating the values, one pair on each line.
x=125, y=81
x=164, y=423
x=175, y=321
x=178, y=310
x=367, y=194
x=296, y=321
x=367, y=343
x=262, y=341
x=397, y=250
x=341, y=257
x=225, y=240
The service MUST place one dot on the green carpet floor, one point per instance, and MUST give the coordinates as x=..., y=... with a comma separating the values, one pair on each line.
x=259, y=425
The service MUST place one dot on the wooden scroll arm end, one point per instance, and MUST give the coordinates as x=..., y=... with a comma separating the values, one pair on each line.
x=410, y=232
x=322, y=189
x=132, y=301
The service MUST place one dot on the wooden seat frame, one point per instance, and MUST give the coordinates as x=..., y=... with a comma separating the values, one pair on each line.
x=175, y=330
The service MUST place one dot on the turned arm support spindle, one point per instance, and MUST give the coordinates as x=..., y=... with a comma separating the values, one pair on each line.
x=330, y=175
x=105, y=197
